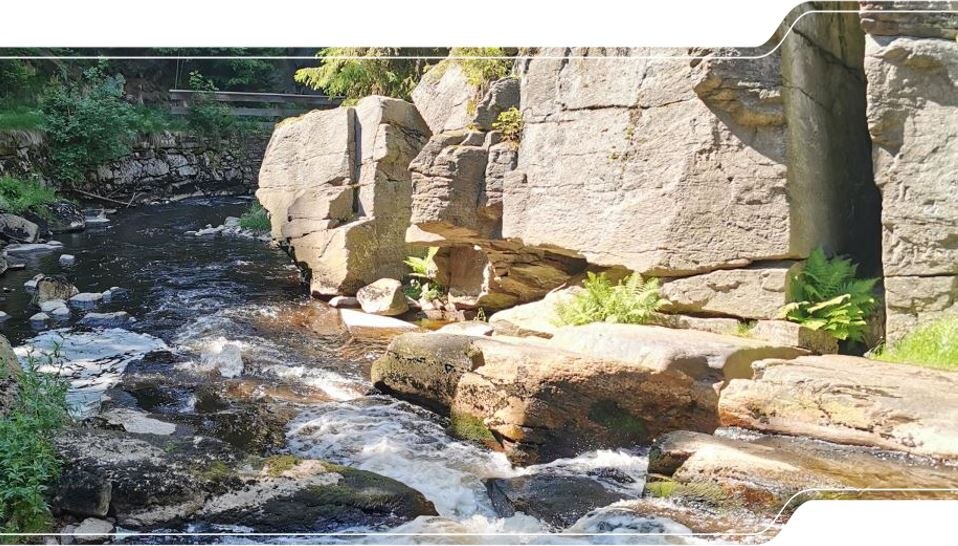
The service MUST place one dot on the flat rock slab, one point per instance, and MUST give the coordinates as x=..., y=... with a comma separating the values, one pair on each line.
x=366, y=325
x=105, y=320
x=764, y=474
x=85, y=300
x=849, y=400
x=702, y=355
x=137, y=422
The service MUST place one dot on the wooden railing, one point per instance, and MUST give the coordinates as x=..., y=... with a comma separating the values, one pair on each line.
x=270, y=105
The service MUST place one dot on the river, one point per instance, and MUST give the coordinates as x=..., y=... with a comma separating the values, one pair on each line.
x=236, y=304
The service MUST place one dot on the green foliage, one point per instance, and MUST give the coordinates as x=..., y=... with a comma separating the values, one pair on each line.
x=87, y=124
x=355, y=72
x=20, y=118
x=509, y=123
x=422, y=285
x=934, y=345
x=420, y=266
x=256, y=218
x=631, y=301
x=28, y=461
x=205, y=116
x=825, y=295
x=481, y=65
x=19, y=196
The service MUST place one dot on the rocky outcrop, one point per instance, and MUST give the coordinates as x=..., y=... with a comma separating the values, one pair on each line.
x=541, y=402
x=149, y=481
x=764, y=474
x=849, y=400
x=18, y=229
x=911, y=62
x=754, y=292
x=337, y=188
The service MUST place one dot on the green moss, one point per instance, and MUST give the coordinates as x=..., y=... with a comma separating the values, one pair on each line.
x=662, y=490
x=932, y=345
x=696, y=491
x=278, y=464
x=469, y=427
x=744, y=328
x=620, y=422
x=216, y=471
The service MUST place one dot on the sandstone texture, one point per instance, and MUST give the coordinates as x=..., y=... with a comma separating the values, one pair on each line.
x=756, y=292
x=911, y=62
x=337, y=188
x=383, y=297
x=849, y=400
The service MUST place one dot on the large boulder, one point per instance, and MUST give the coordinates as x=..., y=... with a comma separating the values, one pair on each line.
x=753, y=292
x=53, y=288
x=147, y=481
x=383, y=297
x=541, y=403
x=65, y=216
x=702, y=355
x=764, y=474
x=849, y=400
x=337, y=188
x=448, y=100
x=18, y=229
x=911, y=62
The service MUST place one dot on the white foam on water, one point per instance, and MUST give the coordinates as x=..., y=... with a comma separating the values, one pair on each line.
x=220, y=354
x=91, y=361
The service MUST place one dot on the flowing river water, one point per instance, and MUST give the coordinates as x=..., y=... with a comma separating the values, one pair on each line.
x=239, y=306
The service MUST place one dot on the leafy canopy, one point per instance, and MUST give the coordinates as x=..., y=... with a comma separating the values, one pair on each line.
x=631, y=301
x=355, y=72
x=826, y=295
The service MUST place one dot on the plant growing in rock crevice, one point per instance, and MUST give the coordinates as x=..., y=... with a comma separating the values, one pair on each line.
x=631, y=301
x=422, y=285
x=255, y=219
x=510, y=124
x=826, y=295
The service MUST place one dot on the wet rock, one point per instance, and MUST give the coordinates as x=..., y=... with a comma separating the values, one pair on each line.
x=85, y=300
x=52, y=304
x=65, y=217
x=29, y=248
x=224, y=357
x=18, y=229
x=95, y=216
x=105, y=320
x=55, y=287
x=539, y=402
x=59, y=313
x=136, y=422
x=344, y=302
x=231, y=221
x=93, y=531
x=701, y=355
x=383, y=297
x=538, y=318
x=849, y=400
x=9, y=371
x=4, y=317
x=468, y=328
x=31, y=285
x=115, y=293
x=40, y=321
x=364, y=325
x=67, y=260
x=83, y=492
x=764, y=473
x=559, y=500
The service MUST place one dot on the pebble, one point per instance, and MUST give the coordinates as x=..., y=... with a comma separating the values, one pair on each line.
x=92, y=530
x=86, y=300
x=60, y=313
x=67, y=259
x=39, y=320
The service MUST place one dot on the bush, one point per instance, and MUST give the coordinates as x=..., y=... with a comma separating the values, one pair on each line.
x=631, y=301
x=355, y=72
x=88, y=124
x=256, y=218
x=481, y=65
x=20, y=118
x=28, y=460
x=20, y=196
x=509, y=123
x=205, y=116
x=934, y=345
x=826, y=295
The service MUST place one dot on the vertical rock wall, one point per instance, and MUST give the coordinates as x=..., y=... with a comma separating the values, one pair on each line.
x=911, y=63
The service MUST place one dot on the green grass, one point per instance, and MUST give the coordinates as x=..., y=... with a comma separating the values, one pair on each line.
x=20, y=118
x=18, y=196
x=255, y=219
x=933, y=345
x=28, y=460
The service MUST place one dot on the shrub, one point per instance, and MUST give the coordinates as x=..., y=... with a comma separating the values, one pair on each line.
x=934, y=345
x=826, y=295
x=28, y=460
x=481, y=65
x=509, y=123
x=205, y=116
x=87, y=123
x=631, y=301
x=355, y=72
x=20, y=118
x=256, y=218
x=20, y=196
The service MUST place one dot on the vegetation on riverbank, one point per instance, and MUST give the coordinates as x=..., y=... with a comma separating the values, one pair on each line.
x=933, y=345
x=632, y=300
x=255, y=219
x=18, y=196
x=28, y=461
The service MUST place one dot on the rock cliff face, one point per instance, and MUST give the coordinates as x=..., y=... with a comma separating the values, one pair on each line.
x=336, y=184
x=911, y=63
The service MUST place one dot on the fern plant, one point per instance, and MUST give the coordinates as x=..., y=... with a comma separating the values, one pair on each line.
x=422, y=285
x=631, y=301
x=826, y=295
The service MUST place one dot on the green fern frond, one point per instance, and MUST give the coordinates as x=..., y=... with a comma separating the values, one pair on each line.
x=631, y=301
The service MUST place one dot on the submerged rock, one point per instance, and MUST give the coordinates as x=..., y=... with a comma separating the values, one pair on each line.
x=849, y=400
x=559, y=500
x=65, y=217
x=383, y=297
x=105, y=320
x=85, y=300
x=67, y=260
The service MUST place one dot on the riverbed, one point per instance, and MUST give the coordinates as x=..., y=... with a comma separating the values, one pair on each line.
x=235, y=310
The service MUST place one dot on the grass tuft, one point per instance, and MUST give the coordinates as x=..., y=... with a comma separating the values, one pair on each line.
x=255, y=219
x=933, y=345
x=19, y=196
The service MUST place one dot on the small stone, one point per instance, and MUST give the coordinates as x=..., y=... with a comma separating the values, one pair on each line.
x=231, y=221
x=40, y=321
x=50, y=305
x=31, y=285
x=86, y=300
x=105, y=320
x=4, y=317
x=67, y=259
x=344, y=302
x=92, y=531
x=60, y=313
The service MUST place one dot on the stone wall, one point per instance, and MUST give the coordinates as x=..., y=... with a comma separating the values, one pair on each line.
x=911, y=64
x=160, y=167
